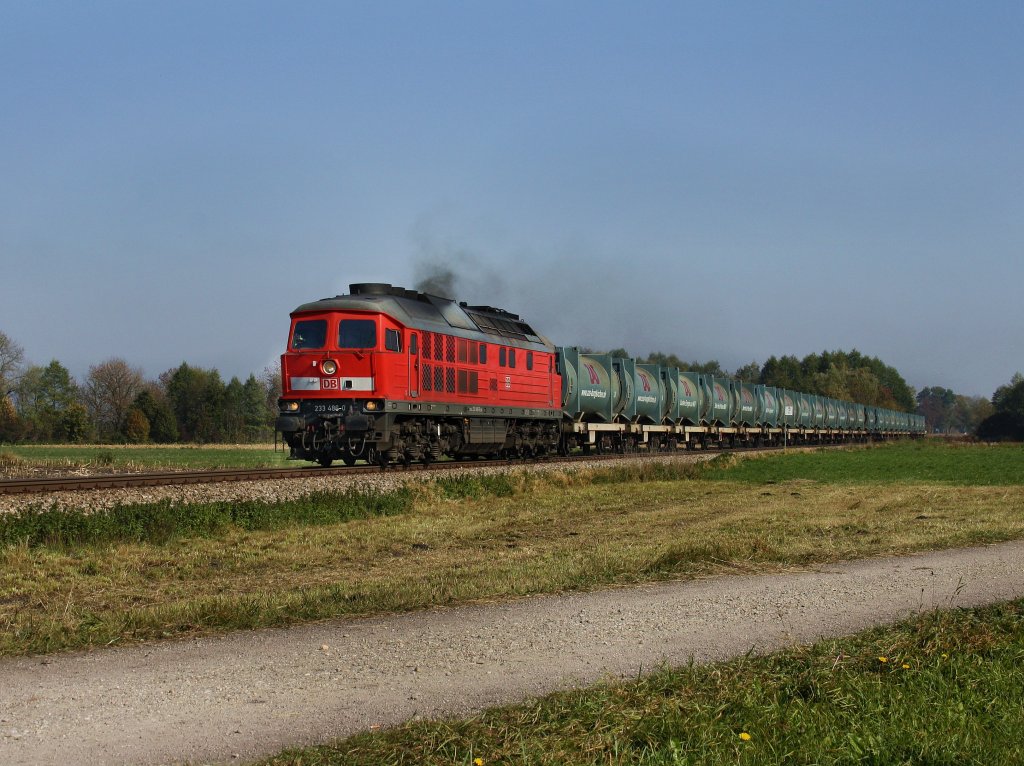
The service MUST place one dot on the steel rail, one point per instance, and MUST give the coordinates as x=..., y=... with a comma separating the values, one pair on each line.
x=176, y=478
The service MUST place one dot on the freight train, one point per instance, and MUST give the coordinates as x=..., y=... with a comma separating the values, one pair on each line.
x=390, y=375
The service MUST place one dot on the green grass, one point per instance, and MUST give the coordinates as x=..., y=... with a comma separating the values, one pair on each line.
x=136, y=458
x=164, y=521
x=919, y=461
x=948, y=693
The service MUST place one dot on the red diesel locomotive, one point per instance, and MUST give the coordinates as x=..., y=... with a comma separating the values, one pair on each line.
x=386, y=374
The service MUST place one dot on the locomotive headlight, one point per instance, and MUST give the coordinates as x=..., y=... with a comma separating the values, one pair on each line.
x=329, y=367
x=290, y=406
x=371, y=405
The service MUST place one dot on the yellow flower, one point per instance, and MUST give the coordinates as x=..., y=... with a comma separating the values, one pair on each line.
x=478, y=762
x=883, y=659
x=906, y=666
x=744, y=736
x=945, y=656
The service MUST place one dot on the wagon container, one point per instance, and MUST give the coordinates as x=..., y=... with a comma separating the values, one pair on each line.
x=852, y=421
x=670, y=387
x=831, y=412
x=721, y=399
x=694, y=401
x=842, y=415
x=746, y=407
x=789, y=407
x=769, y=397
x=707, y=393
x=648, y=405
x=818, y=403
x=591, y=389
x=805, y=411
x=625, y=369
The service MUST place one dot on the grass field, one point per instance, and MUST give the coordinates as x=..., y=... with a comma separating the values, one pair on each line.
x=22, y=459
x=145, y=572
x=941, y=689
x=921, y=461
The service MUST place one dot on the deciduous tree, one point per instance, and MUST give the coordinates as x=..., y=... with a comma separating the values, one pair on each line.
x=44, y=396
x=11, y=358
x=109, y=390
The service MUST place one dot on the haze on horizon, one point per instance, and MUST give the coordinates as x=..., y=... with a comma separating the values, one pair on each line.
x=728, y=181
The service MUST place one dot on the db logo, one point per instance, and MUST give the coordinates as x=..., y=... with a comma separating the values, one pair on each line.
x=330, y=383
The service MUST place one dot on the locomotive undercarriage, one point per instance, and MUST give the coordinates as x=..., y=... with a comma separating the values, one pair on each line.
x=392, y=439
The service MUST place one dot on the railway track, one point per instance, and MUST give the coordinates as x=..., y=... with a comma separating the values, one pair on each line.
x=171, y=478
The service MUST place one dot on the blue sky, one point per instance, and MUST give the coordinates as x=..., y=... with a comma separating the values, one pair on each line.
x=718, y=180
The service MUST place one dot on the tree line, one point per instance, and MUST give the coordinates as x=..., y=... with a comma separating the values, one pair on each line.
x=1007, y=418
x=115, y=403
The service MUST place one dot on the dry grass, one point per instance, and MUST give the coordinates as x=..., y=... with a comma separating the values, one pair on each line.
x=555, y=533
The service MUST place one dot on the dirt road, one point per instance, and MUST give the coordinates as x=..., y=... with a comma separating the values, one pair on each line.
x=254, y=693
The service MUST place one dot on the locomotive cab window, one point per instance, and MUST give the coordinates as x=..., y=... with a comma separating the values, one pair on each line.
x=357, y=333
x=413, y=349
x=309, y=333
x=392, y=340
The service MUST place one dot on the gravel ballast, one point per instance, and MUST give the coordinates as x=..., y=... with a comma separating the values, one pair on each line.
x=284, y=489
x=253, y=693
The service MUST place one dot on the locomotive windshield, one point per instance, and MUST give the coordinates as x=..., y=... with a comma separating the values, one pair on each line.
x=357, y=333
x=309, y=333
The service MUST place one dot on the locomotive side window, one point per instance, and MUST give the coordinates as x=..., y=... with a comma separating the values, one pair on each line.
x=483, y=353
x=463, y=351
x=309, y=333
x=413, y=345
x=392, y=340
x=501, y=356
x=357, y=333
x=473, y=359
x=529, y=360
x=512, y=358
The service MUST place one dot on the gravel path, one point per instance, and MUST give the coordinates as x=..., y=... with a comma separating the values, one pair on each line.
x=254, y=693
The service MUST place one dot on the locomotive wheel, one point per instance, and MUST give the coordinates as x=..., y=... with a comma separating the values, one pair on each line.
x=325, y=460
x=348, y=460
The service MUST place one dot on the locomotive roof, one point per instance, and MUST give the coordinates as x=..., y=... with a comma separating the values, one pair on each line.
x=434, y=313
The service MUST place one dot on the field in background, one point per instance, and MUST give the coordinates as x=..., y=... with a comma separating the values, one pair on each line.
x=38, y=459
x=931, y=461
x=151, y=571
